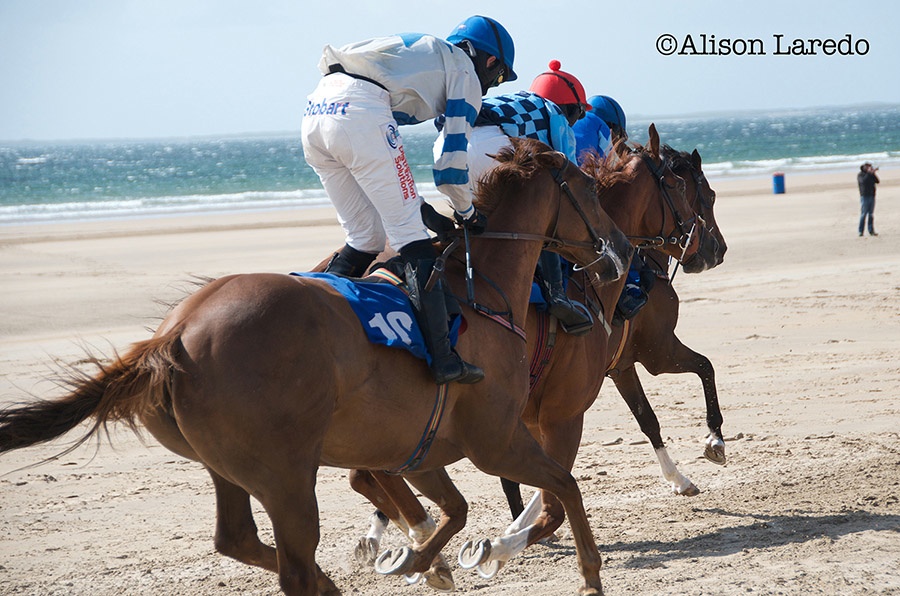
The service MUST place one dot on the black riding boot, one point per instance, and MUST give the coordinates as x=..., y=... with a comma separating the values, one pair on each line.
x=349, y=262
x=431, y=313
x=574, y=320
x=633, y=296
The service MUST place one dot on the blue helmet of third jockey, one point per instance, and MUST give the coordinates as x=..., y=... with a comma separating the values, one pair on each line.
x=609, y=110
x=601, y=127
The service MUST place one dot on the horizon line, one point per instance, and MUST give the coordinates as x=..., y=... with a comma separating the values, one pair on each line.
x=700, y=115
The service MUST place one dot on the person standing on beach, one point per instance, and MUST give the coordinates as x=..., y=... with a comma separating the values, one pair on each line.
x=867, y=181
x=351, y=139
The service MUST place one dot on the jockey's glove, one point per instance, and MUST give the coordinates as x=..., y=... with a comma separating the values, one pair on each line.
x=474, y=220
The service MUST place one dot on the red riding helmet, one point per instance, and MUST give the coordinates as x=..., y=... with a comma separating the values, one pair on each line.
x=559, y=87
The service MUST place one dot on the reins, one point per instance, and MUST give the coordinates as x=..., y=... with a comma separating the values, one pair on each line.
x=505, y=318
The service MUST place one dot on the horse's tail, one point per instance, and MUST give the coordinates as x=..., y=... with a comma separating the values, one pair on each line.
x=119, y=391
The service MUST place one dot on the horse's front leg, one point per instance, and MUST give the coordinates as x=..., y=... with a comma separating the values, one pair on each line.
x=365, y=483
x=715, y=442
x=631, y=390
x=489, y=556
x=682, y=359
x=419, y=527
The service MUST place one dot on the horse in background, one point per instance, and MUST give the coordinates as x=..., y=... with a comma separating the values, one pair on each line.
x=649, y=338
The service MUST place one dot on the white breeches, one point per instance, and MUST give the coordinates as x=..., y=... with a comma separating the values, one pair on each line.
x=351, y=140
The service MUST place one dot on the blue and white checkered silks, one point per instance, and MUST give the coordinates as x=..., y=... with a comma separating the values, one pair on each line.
x=525, y=114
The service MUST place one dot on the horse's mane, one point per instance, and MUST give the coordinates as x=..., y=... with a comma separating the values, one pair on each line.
x=679, y=160
x=517, y=163
x=614, y=167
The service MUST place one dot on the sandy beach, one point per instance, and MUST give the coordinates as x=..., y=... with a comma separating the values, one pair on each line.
x=802, y=322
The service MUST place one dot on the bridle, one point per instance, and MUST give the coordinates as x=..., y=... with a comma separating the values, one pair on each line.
x=699, y=198
x=682, y=233
x=599, y=245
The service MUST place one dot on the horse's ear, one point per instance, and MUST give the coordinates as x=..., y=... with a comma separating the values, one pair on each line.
x=653, y=145
x=696, y=162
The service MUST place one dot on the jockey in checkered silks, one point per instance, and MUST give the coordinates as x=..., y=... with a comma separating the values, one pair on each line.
x=546, y=112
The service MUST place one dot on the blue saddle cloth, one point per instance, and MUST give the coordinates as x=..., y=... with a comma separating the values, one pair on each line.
x=385, y=313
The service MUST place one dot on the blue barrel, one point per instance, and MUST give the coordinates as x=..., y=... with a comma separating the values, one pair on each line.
x=778, y=183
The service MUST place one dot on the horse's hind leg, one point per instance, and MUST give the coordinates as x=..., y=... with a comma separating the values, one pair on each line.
x=236, y=532
x=629, y=385
x=289, y=499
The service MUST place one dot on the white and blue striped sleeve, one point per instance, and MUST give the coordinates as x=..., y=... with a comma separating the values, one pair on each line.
x=451, y=172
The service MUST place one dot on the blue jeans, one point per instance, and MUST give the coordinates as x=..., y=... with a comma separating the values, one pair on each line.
x=866, y=208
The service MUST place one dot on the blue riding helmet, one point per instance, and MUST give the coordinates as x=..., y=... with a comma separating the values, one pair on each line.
x=489, y=36
x=609, y=110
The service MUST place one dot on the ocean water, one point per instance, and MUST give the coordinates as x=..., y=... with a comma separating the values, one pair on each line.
x=53, y=182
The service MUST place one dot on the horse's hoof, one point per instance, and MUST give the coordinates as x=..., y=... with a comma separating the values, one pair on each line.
x=395, y=561
x=440, y=579
x=473, y=554
x=413, y=578
x=489, y=569
x=366, y=550
x=715, y=452
x=690, y=491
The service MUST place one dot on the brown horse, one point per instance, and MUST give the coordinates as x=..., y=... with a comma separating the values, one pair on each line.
x=571, y=370
x=638, y=194
x=263, y=378
x=649, y=338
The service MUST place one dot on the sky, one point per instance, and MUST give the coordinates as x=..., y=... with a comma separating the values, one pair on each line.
x=112, y=69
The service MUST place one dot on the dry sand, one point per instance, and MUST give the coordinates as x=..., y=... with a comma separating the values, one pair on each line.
x=802, y=322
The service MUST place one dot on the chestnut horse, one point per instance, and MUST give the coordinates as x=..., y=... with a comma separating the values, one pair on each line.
x=649, y=337
x=559, y=395
x=264, y=377
x=639, y=194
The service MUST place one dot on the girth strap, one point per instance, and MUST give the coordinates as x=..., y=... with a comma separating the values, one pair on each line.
x=544, y=342
x=626, y=329
x=434, y=422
